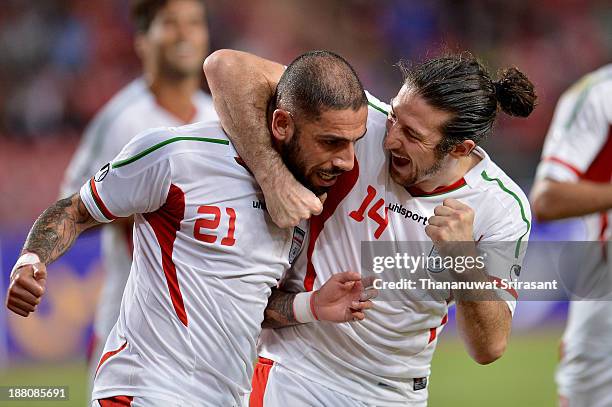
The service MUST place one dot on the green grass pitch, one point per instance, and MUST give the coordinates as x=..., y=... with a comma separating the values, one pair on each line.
x=523, y=377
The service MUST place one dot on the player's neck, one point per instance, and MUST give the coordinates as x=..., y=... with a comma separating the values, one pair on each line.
x=176, y=97
x=453, y=171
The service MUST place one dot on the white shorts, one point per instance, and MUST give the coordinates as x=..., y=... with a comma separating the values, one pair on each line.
x=601, y=397
x=276, y=386
x=584, y=381
x=129, y=401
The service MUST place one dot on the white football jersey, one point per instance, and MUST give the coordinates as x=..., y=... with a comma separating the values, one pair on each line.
x=578, y=146
x=385, y=359
x=206, y=255
x=132, y=110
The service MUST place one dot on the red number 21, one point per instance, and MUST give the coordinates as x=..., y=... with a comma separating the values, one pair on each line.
x=212, y=224
x=373, y=214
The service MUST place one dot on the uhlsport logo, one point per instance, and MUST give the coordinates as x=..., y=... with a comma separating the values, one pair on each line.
x=407, y=213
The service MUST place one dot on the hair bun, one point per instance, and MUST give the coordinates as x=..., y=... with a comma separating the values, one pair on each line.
x=515, y=93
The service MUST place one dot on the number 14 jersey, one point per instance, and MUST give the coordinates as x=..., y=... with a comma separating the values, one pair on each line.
x=385, y=359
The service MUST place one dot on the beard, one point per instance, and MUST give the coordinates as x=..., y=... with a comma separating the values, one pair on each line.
x=421, y=175
x=291, y=153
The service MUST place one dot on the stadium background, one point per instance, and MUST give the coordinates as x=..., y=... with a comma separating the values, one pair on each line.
x=61, y=60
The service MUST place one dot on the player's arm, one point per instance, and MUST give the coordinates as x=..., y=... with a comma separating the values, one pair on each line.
x=552, y=200
x=241, y=85
x=559, y=191
x=483, y=319
x=344, y=297
x=51, y=236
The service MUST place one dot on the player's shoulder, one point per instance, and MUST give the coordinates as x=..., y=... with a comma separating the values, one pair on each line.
x=597, y=83
x=498, y=193
x=207, y=139
x=123, y=104
x=378, y=110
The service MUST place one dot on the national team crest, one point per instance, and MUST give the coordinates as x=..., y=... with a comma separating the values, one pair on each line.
x=296, y=243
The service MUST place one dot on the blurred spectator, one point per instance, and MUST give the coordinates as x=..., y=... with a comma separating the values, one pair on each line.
x=63, y=59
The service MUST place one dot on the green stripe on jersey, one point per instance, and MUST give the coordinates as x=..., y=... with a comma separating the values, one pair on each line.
x=165, y=143
x=380, y=109
x=515, y=196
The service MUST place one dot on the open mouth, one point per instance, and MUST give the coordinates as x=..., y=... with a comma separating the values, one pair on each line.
x=399, y=161
x=326, y=178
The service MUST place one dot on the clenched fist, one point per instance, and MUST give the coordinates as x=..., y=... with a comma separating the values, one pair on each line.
x=26, y=288
x=288, y=202
x=453, y=221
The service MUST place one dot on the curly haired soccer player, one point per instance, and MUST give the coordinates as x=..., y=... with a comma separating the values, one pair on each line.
x=420, y=154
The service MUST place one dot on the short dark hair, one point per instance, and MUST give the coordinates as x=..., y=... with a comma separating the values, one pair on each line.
x=461, y=85
x=143, y=12
x=319, y=80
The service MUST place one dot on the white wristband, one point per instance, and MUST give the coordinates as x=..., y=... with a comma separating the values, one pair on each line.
x=26, y=259
x=303, y=308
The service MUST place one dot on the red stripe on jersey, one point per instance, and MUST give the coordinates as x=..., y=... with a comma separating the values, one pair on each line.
x=107, y=214
x=260, y=381
x=116, y=401
x=510, y=290
x=129, y=237
x=433, y=332
x=166, y=221
x=336, y=194
x=600, y=170
x=108, y=354
x=565, y=164
x=418, y=192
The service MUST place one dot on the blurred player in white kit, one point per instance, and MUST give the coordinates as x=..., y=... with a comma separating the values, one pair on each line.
x=172, y=41
x=436, y=186
x=206, y=253
x=573, y=179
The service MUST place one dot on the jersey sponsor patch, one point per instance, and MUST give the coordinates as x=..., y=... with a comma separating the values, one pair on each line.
x=100, y=175
x=296, y=243
x=419, y=383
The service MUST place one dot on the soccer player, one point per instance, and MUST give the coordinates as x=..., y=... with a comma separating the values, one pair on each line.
x=573, y=180
x=206, y=254
x=432, y=186
x=172, y=41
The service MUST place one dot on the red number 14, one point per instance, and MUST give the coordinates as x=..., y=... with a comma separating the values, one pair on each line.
x=373, y=214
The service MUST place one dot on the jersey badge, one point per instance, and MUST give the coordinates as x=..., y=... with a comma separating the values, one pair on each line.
x=296, y=243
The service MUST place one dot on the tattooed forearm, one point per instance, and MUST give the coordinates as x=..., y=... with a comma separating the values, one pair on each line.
x=57, y=228
x=279, y=312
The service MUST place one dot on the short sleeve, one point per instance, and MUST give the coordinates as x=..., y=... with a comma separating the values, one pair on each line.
x=505, y=244
x=132, y=183
x=577, y=135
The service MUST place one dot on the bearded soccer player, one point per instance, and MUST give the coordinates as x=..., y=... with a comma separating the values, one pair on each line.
x=172, y=41
x=206, y=254
x=432, y=170
x=573, y=180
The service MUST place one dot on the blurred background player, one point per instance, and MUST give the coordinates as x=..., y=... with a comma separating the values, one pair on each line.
x=172, y=41
x=573, y=179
